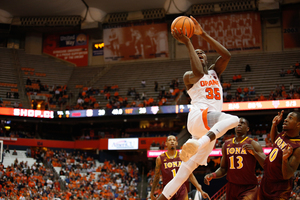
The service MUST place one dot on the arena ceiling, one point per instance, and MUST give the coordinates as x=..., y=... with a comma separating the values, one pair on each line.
x=97, y=8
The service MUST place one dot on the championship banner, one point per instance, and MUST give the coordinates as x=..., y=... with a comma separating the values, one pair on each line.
x=135, y=41
x=237, y=32
x=291, y=27
x=69, y=47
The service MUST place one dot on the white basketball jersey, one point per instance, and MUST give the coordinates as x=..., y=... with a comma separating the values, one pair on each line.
x=207, y=92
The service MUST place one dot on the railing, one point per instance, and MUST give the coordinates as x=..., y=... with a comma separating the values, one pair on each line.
x=221, y=194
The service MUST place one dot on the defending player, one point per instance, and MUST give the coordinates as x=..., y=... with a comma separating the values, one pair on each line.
x=239, y=156
x=168, y=164
x=206, y=122
x=282, y=162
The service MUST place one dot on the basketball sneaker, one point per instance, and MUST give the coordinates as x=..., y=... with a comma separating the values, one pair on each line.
x=189, y=149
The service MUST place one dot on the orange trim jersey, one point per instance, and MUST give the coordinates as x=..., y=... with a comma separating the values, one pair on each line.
x=273, y=162
x=240, y=163
x=273, y=185
x=169, y=167
x=207, y=92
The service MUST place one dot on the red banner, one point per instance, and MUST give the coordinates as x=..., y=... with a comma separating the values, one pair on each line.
x=237, y=32
x=69, y=47
x=291, y=27
x=102, y=144
x=135, y=41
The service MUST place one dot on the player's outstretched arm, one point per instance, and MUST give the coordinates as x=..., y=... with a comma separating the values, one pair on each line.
x=156, y=177
x=221, y=62
x=196, y=64
x=275, y=122
x=194, y=181
x=255, y=149
x=290, y=165
x=220, y=172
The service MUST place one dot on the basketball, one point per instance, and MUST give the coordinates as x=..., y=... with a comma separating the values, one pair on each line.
x=185, y=23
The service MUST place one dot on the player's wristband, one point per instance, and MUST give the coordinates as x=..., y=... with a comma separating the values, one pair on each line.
x=214, y=175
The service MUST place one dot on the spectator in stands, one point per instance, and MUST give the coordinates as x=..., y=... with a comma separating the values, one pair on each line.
x=291, y=87
x=143, y=83
x=246, y=90
x=15, y=152
x=225, y=86
x=239, y=90
x=234, y=78
x=239, y=78
x=28, y=81
x=34, y=104
x=8, y=94
x=155, y=86
x=261, y=97
x=16, y=104
x=153, y=144
x=7, y=149
x=252, y=90
x=16, y=95
x=162, y=90
x=248, y=68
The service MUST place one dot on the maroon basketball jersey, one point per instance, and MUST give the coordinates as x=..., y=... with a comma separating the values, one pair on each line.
x=273, y=162
x=169, y=167
x=240, y=163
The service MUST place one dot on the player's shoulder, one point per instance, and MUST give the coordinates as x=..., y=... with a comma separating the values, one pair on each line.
x=230, y=140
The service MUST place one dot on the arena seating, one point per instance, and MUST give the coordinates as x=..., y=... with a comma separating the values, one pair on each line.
x=8, y=76
x=265, y=68
x=9, y=158
x=264, y=75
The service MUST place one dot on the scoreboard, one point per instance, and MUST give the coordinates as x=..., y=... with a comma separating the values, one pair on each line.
x=151, y=110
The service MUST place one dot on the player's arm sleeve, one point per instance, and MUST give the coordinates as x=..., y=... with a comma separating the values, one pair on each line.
x=156, y=174
x=259, y=154
x=291, y=165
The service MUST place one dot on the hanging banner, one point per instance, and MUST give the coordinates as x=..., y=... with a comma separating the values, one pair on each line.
x=291, y=26
x=135, y=41
x=237, y=32
x=69, y=47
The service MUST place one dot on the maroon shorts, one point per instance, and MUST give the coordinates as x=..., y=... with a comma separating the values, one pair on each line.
x=269, y=189
x=181, y=194
x=241, y=192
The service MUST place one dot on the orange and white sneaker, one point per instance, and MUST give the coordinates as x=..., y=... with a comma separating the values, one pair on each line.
x=189, y=149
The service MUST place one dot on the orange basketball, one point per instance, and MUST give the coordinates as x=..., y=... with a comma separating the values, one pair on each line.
x=185, y=23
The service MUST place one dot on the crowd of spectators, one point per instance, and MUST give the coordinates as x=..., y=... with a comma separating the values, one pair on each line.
x=82, y=179
x=108, y=181
x=249, y=94
x=133, y=98
x=21, y=181
x=57, y=95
